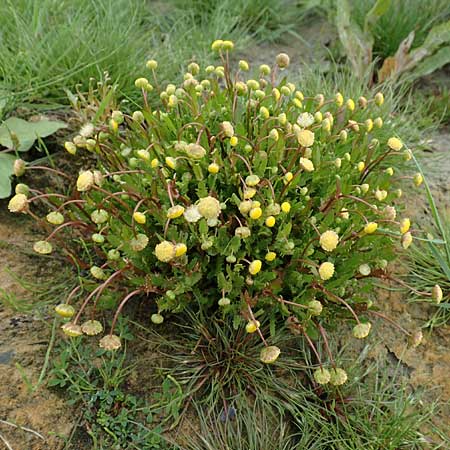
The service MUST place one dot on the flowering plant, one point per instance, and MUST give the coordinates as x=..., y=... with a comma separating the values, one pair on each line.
x=244, y=196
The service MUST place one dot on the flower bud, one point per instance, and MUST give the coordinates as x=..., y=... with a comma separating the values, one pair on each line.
x=270, y=256
x=139, y=217
x=22, y=188
x=43, y=247
x=19, y=167
x=92, y=327
x=315, y=307
x=70, y=147
x=436, y=294
x=282, y=60
x=99, y=216
x=252, y=326
x=55, y=218
x=418, y=179
x=379, y=98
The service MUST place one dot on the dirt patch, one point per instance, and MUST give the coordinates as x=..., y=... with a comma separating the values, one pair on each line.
x=23, y=340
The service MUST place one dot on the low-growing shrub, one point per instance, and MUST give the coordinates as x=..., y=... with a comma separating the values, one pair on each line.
x=242, y=197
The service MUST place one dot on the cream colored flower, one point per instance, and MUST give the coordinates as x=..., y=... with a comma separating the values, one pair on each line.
x=18, y=203
x=43, y=247
x=209, y=207
x=192, y=214
x=165, y=251
x=110, y=342
x=306, y=164
x=85, y=181
x=326, y=270
x=175, y=211
x=329, y=240
x=305, y=138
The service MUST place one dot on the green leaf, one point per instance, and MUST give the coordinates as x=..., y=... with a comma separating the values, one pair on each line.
x=6, y=170
x=27, y=132
x=432, y=63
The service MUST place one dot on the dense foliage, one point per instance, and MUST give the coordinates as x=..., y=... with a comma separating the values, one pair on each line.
x=245, y=196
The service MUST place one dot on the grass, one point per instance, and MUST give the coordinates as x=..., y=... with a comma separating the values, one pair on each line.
x=50, y=45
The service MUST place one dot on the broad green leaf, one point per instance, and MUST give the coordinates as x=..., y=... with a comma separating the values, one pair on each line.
x=438, y=35
x=27, y=132
x=432, y=63
x=6, y=170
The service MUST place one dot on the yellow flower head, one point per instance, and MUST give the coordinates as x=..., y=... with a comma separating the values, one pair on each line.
x=305, y=138
x=65, y=310
x=55, y=218
x=270, y=221
x=405, y=224
x=252, y=326
x=243, y=65
x=380, y=195
x=379, y=98
x=165, y=251
x=338, y=376
x=418, y=179
x=85, y=181
x=306, y=164
x=71, y=329
x=322, y=376
x=252, y=180
x=209, y=207
x=234, y=141
x=269, y=354
x=329, y=240
x=370, y=228
x=395, y=144
x=139, y=217
x=213, y=168
x=171, y=162
x=255, y=213
x=350, y=104
x=285, y=207
x=339, y=99
x=361, y=166
x=70, y=147
x=326, y=270
x=18, y=203
x=180, y=249
x=255, y=267
x=270, y=256
x=175, y=211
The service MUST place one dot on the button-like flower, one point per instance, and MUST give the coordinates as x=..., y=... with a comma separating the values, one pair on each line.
x=322, y=376
x=110, y=342
x=192, y=214
x=338, y=376
x=227, y=129
x=139, y=242
x=305, y=138
x=175, y=211
x=306, y=164
x=85, y=181
x=255, y=213
x=157, y=318
x=139, y=217
x=269, y=354
x=315, y=307
x=436, y=294
x=99, y=216
x=209, y=207
x=405, y=225
x=195, y=151
x=55, y=218
x=65, y=310
x=270, y=221
x=406, y=240
x=43, y=247
x=370, y=227
x=305, y=120
x=255, y=267
x=92, y=327
x=18, y=203
x=285, y=207
x=180, y=250
x=362, y=330
x=243, y=232
x=72, y=329
x=326, y=270
x=252, y=180
x=329, y=240
x=252, y=326
x=165, y=251
x=270, y=256
x=395, y=144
